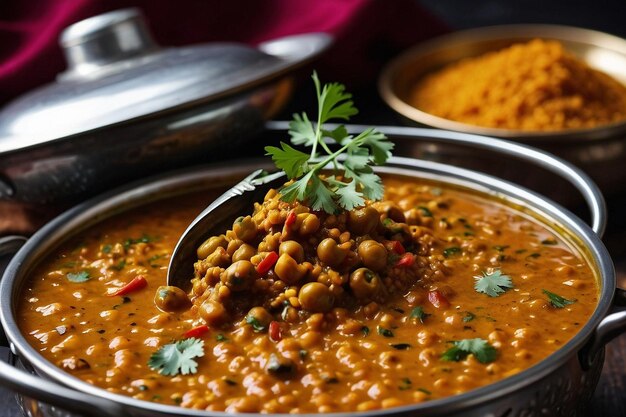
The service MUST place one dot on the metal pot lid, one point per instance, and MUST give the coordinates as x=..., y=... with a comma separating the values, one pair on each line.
x=117, y=73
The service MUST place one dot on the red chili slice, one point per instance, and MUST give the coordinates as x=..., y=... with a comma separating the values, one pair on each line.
x=197, y=331
x=291, y=218
x=437, y=299
x=136, y=284
x=267, y=263
x=407, y=259
x=395, y=246
x=275, y=331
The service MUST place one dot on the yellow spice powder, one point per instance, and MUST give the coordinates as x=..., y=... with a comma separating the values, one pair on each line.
x=530, y=86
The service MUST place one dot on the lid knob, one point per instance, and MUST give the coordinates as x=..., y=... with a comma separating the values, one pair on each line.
x=100, y=40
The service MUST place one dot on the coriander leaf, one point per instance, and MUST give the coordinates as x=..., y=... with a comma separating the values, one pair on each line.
x=418, y=313
x=365, y=330
x=290, y=160
x=425, y=211
x=322, y=197
x=469, y=316
x=480, y=348
x=448, y=252
x=357, y=159
x=492, y=283
x=302, y=131
x=349, y=197
x=177, y=357
x=384, y=332
x=333, y=101
x=339, y=135
x=378, y=144
x=556, y=300
x=255, y=323
x=297, y=190
x=82, y=276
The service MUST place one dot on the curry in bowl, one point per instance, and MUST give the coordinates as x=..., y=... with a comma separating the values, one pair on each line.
x=433, y=291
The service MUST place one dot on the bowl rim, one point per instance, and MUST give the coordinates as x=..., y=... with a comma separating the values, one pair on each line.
x=492, y=33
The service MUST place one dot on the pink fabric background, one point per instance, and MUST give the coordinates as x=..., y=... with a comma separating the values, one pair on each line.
x=367, y=32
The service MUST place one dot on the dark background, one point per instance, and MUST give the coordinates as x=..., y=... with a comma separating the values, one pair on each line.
x=607, y=16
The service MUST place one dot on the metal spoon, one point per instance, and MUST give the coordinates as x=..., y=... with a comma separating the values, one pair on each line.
x=214, y=220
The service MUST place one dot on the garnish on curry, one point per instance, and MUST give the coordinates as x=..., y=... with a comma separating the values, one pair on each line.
x=430, y=292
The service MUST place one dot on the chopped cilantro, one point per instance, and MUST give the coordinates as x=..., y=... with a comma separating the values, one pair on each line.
x=120, y=265
x=480, y=348
x=384, y=332
x=405, y=383
x=469, y=316
x=501, y=248
x=177, y=357
x=448, y=252
x=550, y=241
x=425, y=391
x=492, y=283
x=82, y=276
x=106, y=248
x=221, y=338
x=132, y=241
x=425, y=211
x=418, y=313
x=365, y=330
x=556, y=300
x=255, y=323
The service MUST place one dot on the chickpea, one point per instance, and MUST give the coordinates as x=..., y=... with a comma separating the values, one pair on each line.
x=288, y=270
x=218, y=258
x=309, y=223
x=259, y=316
x=293, y=249
x=169, y=298
x=245, y=228
x=209, y=246
x=213, y=312
x=373, y=255
x=364, y=283
x=363, y=221
x=332, y=254
x=243, y=253
x=316, y=297
x=239, y=276
x=390, y=210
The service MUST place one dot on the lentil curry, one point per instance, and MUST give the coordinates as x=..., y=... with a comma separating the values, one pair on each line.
x=429, y=293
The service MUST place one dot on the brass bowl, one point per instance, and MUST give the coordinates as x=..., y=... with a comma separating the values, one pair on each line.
x=601, y=151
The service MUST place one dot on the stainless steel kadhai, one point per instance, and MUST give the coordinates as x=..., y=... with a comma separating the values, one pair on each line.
x=126, y=108
x=558, y=385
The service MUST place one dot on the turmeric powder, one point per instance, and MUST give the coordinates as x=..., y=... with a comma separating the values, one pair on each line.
x=533, y=86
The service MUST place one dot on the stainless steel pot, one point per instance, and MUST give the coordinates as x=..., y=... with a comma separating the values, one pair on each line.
x=127, y=108
x=557, y=386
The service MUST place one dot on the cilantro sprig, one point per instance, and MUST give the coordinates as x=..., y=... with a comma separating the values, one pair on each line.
x=493, y=283
x=82, y=276
x=480, y=348
x=556, y=300
x=177, y=357
x=355, y=180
